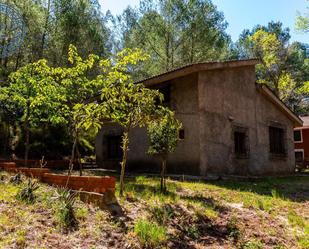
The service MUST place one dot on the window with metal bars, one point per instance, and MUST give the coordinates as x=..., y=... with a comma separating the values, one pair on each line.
x=276, y=140
x=240, y=146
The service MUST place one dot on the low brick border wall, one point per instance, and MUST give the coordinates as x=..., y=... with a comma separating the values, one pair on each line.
x=96, y=184
x=7, y=165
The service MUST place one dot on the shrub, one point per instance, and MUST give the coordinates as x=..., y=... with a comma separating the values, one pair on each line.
x=232, y=228
x=26, y=193
x=16, y=180
x=82, y=213
x=150, y=234
x=162, y=214
x=295, y=220
x=66, y=209
x=253, y=244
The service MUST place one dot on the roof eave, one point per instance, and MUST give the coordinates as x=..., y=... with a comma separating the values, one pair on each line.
x=194, y=68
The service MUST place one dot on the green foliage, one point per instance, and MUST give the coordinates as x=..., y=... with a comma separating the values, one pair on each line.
x=122, y=102
x=302, y=21
x=233, y=229
x=252, y=244
x=295, y=220
x=283, y=66
x=163, y=134
x=175, y=33
x=150, y=234
x=162, y=214
x=26, y=193
x=66, y=209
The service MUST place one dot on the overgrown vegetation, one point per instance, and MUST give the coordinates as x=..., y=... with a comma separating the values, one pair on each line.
x=196, y=214
x=65, y=212
x=27, y=192
x=150, y=234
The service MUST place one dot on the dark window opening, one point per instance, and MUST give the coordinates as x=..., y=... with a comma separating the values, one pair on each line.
x=297, y=136
x=114, y=150
x=181, y=134
x=166, y=91
x=240, y=146
x=299, y=156
x=276, y=140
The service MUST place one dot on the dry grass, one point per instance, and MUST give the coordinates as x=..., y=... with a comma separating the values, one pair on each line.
x=271, y=213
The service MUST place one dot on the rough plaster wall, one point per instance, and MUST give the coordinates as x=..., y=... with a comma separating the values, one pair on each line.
x=229, y=98
x=185, y=160
x=264, y=163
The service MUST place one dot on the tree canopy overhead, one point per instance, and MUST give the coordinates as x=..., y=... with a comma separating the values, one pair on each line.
x=174, y=33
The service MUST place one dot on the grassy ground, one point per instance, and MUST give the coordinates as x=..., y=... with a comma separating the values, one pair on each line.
x=269, y=213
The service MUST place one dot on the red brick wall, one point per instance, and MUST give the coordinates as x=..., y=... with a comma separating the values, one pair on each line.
x=305, y=144
x=97, y=184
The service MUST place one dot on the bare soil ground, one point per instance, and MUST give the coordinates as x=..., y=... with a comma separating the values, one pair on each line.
x=269, y=213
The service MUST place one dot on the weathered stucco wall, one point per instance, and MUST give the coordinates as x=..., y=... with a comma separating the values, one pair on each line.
x=265, y=163
x=229, y=98
x=210, y=104
x=185, y=160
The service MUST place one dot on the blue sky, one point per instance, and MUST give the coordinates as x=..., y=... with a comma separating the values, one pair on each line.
x=241, y=14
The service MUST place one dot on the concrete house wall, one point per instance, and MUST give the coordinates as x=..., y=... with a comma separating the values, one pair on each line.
x=211, y=104
x=239, y=104
x=184, y=100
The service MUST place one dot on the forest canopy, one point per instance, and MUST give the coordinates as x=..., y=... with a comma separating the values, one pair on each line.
x=173, y=33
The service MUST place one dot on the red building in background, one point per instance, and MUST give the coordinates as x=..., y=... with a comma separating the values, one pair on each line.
x=301, y=139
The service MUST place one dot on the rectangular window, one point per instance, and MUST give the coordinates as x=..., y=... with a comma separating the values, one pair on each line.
x=298, y=136
x=299, y=156
x=114, y=150
x=166, y=91
x=276, y=140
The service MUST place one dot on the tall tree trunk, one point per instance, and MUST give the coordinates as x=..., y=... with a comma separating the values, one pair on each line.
x=27, y=134
x=79, y=161
x=71, y=164
x=163, y=170
x=45, y=30
x=125, y=148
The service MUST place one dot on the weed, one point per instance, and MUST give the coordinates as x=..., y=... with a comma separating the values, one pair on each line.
x=21, y=239
x=295, y=220
x=66, y=209
x=252, y=244
x=162, y=214
x=150, y=234
x=192, y=231
x=264, y=204
x=82, y=213
x=16, y=180
x=232, y=228
x=26, y=194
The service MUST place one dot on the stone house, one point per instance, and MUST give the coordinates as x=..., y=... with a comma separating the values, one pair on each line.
x=231, y=125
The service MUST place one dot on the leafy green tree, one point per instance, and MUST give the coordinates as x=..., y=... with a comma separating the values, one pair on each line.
x=174, y=33
x=32, y=91
x=284, y=65
x=163, y=136
x=122, y=102
x=273, y=69
x=302, y=21
x=77, y=84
